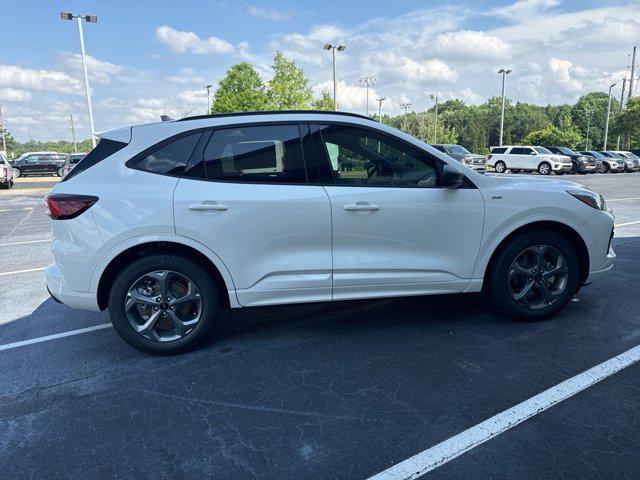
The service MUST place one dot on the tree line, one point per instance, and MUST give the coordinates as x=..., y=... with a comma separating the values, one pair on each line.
x=476, y=127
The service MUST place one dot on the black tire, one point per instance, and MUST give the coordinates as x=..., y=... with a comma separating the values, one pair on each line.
x=500, y=166
x=515, y=170
x=17, y=173
x=574, y=168
x=606, y=168
x=544, y=168
x=209, y=294
x=498, y=273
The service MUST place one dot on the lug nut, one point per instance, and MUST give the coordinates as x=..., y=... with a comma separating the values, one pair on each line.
x=158, y=299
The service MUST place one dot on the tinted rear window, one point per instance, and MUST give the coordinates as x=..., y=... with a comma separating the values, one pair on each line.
x=104, y=149
x=498, y=149
x=168, y=158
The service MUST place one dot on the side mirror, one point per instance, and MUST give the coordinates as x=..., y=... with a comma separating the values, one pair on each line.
x=533, y=153
x=452, y=178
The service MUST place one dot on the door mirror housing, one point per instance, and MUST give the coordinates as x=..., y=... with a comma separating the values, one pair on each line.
x=452, y=178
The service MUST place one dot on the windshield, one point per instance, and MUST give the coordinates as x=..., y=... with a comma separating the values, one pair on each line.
x=542, y=150
x=566, y=151
x=594, y=154
x=458, y=149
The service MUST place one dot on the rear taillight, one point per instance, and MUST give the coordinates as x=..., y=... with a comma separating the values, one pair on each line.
x=69, y=169
x=5, y=172
x=489, y=157
x=65, y=206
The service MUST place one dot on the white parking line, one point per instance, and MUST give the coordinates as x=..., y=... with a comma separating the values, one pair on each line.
x=626, y=224
x=24, y=243
x=2, y=274
x=622, y=199
x=15, y=209
x=46, y=338
x=453, y=447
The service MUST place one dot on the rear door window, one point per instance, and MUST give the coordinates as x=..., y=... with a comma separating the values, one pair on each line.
x=498, y=150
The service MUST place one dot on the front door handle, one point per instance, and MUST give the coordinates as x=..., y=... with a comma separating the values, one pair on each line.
x=361, y=207
x=206, y=206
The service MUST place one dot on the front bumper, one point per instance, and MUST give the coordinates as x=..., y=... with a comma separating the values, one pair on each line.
x=604, y=268
x=60, y=291
x=561, y=167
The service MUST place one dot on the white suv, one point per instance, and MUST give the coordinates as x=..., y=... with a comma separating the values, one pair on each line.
x=6, y=172
x=528, y=159
x=165, y=223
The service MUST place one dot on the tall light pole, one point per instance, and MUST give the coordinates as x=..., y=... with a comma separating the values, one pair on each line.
x=88, y=19
x=208, y=87
x=633, y=72
x=380, y=100
x=586, y=143
x=333, y=48
x=435, y=134
x=405, y=106
x=4, y=140
x=624, y=83
x=368, y=82
x=504, y=73
x=73, y=133
x=606, y=123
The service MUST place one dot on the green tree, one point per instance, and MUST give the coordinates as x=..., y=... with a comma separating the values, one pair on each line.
x=325, y=102
x=289, y=88
x=627, y=124
x=566, y=135
x=241, y=90
x=590, y=113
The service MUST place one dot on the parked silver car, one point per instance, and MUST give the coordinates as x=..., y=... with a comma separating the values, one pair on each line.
x=464, y=156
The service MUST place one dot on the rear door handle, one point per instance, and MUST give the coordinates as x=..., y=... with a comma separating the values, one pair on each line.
x=206, y=206
x=361, y=207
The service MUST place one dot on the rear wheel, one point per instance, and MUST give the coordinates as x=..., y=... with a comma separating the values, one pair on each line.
x=164, y=304
x=60, y=172
x=574, y=168
x=500, y=166
x=544, y=168
x=17, y=173
x=535, y=276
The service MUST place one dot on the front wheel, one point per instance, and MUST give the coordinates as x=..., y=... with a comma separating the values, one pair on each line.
x=164, y=304
x=17, y=173
x=60, y=172
x=544, y=168
x=574, y=168
x=605, y=168
x=535, y=276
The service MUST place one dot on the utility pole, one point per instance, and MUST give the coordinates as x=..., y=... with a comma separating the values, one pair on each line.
x=405, y=106
x=624, y=82
x=435, y=130
x=73, y=133
x=208, y=87
x=586, y=143
x=333, y=48
x=504, y=73
x=606, y=123
x=633, y=72
x=88, y=19
x=368, y=81
x=380, y=100
x=4, y=140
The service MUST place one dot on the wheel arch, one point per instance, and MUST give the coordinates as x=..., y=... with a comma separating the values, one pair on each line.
x=561, y=228
x=106, y=273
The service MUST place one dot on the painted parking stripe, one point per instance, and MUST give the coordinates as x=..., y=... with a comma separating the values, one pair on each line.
x=622, y=199
x=26, y=270
x=626, y=224
x=25, y=242
x=55, y=336
x=455, y=446
x=15, y=209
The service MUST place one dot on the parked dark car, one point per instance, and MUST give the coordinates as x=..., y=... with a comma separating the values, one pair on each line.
x=70, y=162
x=604, y=164
x=579, y=163
x=464, y=156
x=38, y=163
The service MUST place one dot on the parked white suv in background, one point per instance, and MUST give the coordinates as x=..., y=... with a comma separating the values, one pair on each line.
x=165, y=223
x=528, y=158
x=6, y=172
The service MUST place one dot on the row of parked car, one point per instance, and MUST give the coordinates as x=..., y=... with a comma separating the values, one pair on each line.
x=37, y=163
x=560, y=160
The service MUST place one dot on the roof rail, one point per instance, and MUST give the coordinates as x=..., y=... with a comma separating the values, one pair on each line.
x=271, y=112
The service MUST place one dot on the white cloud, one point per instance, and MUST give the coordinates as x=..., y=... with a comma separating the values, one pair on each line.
x=415, y=70
x=14, y=95
x=100, y=72
x=524, y=9
x=30, y=79
x=186, y=80
x=471, y=45
x=182, y=42
x=269, y=13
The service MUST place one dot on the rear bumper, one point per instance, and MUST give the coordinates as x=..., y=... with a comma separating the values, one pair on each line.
x=60, y=291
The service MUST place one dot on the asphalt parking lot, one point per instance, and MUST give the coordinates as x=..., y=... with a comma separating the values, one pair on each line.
x=320, y=391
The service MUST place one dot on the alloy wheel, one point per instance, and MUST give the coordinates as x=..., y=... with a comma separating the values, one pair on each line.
x=163, y=305
x=544, y=169
x=500, y=167
x=538, y=277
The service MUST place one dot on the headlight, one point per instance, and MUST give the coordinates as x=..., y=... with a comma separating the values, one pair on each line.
x=582, y=159
x=468, y=160
x=590, y=198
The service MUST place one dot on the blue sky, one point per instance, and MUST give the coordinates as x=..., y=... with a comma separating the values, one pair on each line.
x=149, y=58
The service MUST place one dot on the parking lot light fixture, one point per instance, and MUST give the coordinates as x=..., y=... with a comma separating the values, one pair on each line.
x=380, y=100
x=333, y=48
x=88, y=19
x=434, y=96
x=368, y=81
x=606, y=123
x=504, y=73
x=208, y=87
x=405, y=106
